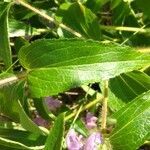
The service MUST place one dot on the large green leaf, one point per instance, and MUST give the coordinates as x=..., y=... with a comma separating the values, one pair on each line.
x=79, y=18
x=5, y=50
x=133, y=124
x=58, y=65
x=18, y=139
x=54, y=140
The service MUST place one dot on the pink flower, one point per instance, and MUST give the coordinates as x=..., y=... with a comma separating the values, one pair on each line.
x=90, y=121
x=52, y=104
x=93, y=141
x=73, y=141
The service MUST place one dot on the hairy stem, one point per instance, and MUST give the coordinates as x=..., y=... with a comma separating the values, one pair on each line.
x=104, y=106
x=44, y=15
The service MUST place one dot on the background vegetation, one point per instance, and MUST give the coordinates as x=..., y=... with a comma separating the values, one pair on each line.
x=61, y=60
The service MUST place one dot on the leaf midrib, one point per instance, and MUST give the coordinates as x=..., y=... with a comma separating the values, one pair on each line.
x=70, y=67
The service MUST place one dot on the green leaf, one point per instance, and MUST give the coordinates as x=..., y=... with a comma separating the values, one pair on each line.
x=120, y=10
x=19, y=42
x=26, y=122
x=5, y=50
x=40, y=107
x=81, y=19
x=147, y=71
x=8, y=96
x=57, y=65
x=96, y=5
x=143, y=6
x=18, y=28
x=17, y=145
x=115, y=3
x=130, y=85
x=54, y=140
x=114, y=102
x=133, y=124
x=18, y=139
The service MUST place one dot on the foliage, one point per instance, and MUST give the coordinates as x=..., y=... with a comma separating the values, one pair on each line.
x=61, y=60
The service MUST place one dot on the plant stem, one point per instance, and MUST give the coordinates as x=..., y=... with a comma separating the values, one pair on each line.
x=12, y=79
x=131, y=36
x=143, y=49
x=129, y=29
x=87, y=106
x=77, y=114
x=104, y=106
x=37, y=11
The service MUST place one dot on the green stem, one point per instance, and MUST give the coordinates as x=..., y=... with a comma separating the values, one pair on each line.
x=85, y=107
x=131, y=36
x=37, y=11
x=77, y=114
x=129, y=29
x=147, y=142
x=11, y=79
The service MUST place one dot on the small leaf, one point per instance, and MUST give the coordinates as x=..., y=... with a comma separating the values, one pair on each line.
x=17, y=145
x=81, y=19
x=80, y=127
x=10, y=105
x=143, y=5
x=40, y=107
x=8, y=96
x=54, y=140
x=133, y=124
x=18, y=29
x=96, y=5
x=120, y=10
x=26, y=122
x=18, y=139
x=19, y=42
x=57, y=65
x=5, y=50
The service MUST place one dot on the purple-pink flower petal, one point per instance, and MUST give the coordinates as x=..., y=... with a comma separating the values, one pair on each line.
x=90, y=120
x=53, y=104
x=41, y=122
x=93, y=141
x=73, y=141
